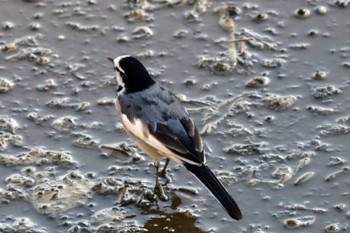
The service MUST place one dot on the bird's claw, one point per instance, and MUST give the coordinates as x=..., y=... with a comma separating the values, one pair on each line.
x=159, y=191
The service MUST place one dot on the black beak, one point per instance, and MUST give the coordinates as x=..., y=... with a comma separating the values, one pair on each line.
x=111, y=59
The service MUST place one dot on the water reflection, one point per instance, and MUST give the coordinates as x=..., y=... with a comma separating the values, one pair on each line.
x=162, y=221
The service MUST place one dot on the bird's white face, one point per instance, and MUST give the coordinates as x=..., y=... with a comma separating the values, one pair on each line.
x=119, y=70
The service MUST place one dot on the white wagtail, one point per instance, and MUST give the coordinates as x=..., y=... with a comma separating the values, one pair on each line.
x=155, y=119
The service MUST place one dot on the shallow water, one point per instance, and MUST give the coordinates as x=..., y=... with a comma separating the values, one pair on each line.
x=281, y=148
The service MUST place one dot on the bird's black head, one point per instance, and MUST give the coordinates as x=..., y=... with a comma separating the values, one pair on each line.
x=131, y=75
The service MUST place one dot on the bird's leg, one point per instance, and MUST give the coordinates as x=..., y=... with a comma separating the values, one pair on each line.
x=163, y=172
x=158, y=188
x=156, y=165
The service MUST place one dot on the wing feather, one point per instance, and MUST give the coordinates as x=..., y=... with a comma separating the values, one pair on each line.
x=164, y=134
x=193, y=133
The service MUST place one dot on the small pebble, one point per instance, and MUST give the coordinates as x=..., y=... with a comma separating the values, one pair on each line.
x=7, y=25
x=258, y=81
x=261, y=17
x=61, y=37
x=35, y=26
x=340, y=207
x=142, y=32
x=269, y=118
x=332, y=228
x=279, y=103
x=342, y=3
x=5, y=85
x=321, y=10
x=319, y=75
x=189, y=82
x=346, y=64
x=294, y=223
x=42, y=61
x=291, y=223
x=122, y=39
x=302, y=13
x=324, y=111
x=313, y=32
x=64, y=124
x=325, y=91
x=180, y=34
x=38, y=15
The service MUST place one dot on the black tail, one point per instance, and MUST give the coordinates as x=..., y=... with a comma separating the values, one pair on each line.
x=204, y=174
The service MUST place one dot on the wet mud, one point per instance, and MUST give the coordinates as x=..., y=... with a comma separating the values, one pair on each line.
x=267, y=83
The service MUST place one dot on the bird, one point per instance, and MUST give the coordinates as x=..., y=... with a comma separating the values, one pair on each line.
x=157, y=122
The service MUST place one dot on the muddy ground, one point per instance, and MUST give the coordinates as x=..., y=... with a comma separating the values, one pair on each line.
x=267, y=83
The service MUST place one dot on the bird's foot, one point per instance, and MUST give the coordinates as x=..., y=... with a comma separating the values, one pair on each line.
x=164, y=174
x=159, y=191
